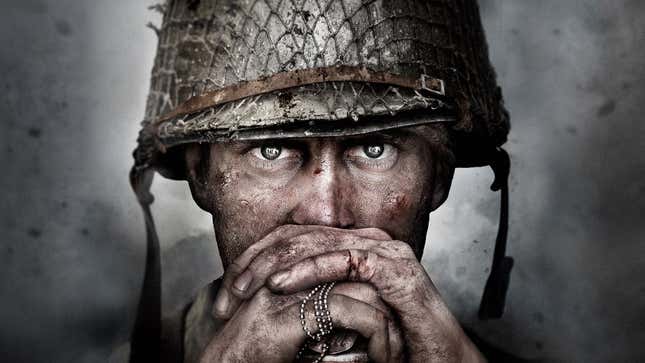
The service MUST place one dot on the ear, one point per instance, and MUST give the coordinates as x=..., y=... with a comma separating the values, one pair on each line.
x=197, y=161
x=192, y=157
x=443, y=181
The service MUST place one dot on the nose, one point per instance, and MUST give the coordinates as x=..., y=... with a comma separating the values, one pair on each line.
x=324, y=196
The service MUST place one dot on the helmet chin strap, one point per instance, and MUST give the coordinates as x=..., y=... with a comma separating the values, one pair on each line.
x=145, y=343
x=494, y=297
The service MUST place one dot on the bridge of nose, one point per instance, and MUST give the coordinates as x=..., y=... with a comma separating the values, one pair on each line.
x=325, y=189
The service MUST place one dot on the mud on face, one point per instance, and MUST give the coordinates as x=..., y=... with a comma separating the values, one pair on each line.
x=390, y=180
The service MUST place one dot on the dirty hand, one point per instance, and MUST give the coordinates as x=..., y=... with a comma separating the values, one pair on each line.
x=267, y=327
x=294, y=258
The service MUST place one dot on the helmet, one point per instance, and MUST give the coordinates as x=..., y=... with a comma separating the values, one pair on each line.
x=226, y=69
x=253, y=69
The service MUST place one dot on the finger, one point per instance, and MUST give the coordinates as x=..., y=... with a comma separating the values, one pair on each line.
x=346, y=265
x=320, y=240
x=396, y=342
x=225, y=302
x=369, y=322
x=290, y=232
x=260, y=320
x=384, y=340
x=345, y=311
x=368, y=294
x=365, y=293
x=284, y=232
x=382, y=333
x=401, y=283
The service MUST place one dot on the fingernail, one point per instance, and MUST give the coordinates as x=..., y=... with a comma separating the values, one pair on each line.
x=278, y=278
x=221, y=305
x=243, y=281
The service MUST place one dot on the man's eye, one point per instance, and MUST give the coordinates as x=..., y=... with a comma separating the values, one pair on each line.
x=374, y=156
x=271, y=152
x=273, y=155
x=373, y=151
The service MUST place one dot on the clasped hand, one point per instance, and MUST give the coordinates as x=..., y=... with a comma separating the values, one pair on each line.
x=383, y=293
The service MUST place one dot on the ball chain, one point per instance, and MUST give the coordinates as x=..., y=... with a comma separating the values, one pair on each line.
x=323, y=318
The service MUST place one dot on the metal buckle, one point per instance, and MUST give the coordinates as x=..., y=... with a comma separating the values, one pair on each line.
x=433, y=85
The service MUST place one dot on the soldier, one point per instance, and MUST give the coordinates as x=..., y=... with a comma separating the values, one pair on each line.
x=319, y=135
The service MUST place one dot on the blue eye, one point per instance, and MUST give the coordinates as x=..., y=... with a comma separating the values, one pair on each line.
x=271, y=152
x=373, y=151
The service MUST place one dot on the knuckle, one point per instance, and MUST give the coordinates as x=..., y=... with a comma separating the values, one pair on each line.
x=379, y=233
x=298, y=240
x=275, y=256
x=283, y=229
x=352, y=239
x=335, y=301
x=326, y=236
x=254, y=266
x=259, y=268
x=235, y=268
x=361, y=265
x=321, y=239
x=217, y=314
x=261, y=299
x=319, y=264
x=382, y=320
x=403, y=249
x=268, y=256
x=409, y=267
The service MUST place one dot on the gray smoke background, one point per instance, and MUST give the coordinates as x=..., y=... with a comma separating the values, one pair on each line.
x=74, y=79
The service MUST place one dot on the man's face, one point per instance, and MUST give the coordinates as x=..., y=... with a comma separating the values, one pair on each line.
x=389, y=180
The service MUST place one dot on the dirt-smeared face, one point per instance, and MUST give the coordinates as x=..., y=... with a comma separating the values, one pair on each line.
x=390, y=180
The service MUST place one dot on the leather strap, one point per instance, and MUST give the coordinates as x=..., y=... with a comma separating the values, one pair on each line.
x=494, y=297
x=145, y=344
